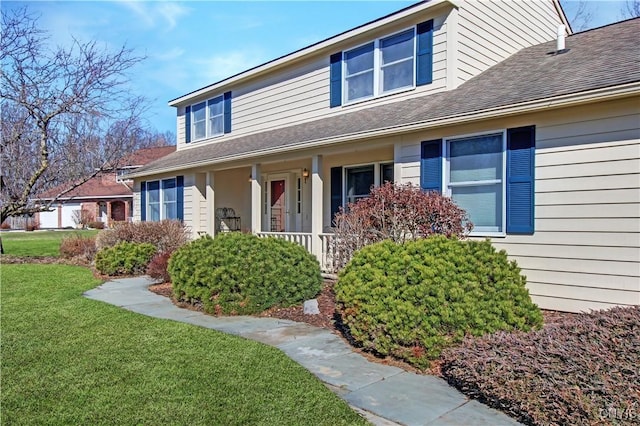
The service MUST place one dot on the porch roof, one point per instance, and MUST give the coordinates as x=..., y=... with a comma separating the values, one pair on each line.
x=598, y=63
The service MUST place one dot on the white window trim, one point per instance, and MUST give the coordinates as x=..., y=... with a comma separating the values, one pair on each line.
x=207, y=120
x=447, y=168
x=377, y=175
x=377, y=68
x=161, y=201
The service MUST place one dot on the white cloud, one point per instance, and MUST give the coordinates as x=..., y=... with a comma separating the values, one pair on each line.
x=153, y=14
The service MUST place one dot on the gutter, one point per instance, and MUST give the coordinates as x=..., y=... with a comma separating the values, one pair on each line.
x=602, y=94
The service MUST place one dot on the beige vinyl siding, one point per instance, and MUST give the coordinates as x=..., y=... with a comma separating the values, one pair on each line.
x=490, y=31
x=585, y=253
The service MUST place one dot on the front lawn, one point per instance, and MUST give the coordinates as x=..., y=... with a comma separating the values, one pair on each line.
x=70, y=360
x=37, y=243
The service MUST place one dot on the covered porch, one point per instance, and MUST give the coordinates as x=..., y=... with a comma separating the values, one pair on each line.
x=289, y=198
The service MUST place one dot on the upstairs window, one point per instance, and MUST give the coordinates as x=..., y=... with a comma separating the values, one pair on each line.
x=208, y=119
x=398, y=62
x=380, y=67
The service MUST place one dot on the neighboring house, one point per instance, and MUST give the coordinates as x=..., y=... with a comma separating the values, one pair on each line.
x=474, y=99
x=105, y=198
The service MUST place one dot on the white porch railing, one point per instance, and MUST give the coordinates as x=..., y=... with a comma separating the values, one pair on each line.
x=302, y=238
x=327, y=259
x=305, y=239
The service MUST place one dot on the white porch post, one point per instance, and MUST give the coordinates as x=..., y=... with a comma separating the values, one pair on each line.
x=256, y=195
x=316, y=205
x=211, y=204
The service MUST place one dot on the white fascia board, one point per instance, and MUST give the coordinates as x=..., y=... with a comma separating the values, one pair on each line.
x=313, y=49
x=563, y=101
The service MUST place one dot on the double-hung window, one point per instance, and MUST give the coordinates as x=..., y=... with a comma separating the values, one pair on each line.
x=382, y=66
x=491, y=176
x=208, y=118
x=162, y=199
x=476, y=181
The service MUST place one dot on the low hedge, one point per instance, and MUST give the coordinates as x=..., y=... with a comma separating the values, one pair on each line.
x=239, y=273
x=580, y=371
x=124, y=259
x=412, y=300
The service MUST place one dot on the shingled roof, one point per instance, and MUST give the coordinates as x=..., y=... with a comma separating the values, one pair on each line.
x=601, y=58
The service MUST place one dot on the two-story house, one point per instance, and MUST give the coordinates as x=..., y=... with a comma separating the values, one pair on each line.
x=535, y=135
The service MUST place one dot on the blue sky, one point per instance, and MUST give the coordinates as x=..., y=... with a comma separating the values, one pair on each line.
x=192, y=44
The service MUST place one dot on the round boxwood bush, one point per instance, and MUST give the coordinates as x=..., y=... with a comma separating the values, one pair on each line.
x=237, y=273
x=125, y=258
x=412, y=300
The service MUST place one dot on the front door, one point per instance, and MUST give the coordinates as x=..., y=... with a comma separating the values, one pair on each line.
x=278, y=206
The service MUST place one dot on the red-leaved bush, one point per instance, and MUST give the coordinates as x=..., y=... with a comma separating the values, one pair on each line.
x=584, y=370
x=157, y=268
x=79, y=248
x=398, y=213
x=166, y=235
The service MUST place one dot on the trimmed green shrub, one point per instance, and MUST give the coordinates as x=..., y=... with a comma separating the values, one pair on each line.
x=125, y=259
x=242, y=274
x=412, y=300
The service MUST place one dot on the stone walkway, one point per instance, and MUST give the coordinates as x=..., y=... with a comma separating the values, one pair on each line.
x=385, y=395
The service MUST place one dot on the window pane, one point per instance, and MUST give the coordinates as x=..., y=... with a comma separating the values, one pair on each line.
x=215, y=106
x=483, y=203
x=153, y=192
x=476, y=159
x=358, y=60
x=359, y=182
x=199, y=112
x=199, y=130
x=154, y=212
x=360, y=86
x=216, y=126
x=169, y=190
x=386, y=173
x=397, y=76
x=170, y=211
x=397, y=47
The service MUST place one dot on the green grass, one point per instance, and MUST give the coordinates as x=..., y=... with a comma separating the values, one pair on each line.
x=70, y=360
x=37, y=243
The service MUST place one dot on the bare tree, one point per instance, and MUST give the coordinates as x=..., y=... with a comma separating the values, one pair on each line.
x=582, y=17
x=67, y=113
x=631, y=9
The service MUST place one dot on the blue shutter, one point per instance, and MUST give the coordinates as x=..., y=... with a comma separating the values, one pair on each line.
x=180, y=197
x=227, y=112
x=336, y=80
x=521, y=147
x=187, y=124
x=431, y=165
x=143, y=201
x=336, y=190
x=424, y=53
